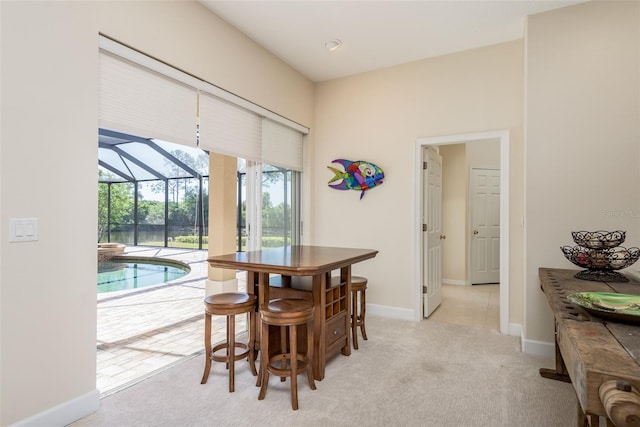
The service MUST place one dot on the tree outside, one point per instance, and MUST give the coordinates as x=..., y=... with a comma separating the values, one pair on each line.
x=183, y=206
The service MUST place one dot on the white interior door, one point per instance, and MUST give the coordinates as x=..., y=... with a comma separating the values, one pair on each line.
x=485, y=226
x=432, y=230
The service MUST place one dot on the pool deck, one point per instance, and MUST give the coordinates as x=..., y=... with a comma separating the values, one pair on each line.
x=140, y=332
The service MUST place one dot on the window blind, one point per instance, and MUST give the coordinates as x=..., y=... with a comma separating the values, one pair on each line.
x=142, y=102
x=228, y=129
x=281, y=145
x=145, y=97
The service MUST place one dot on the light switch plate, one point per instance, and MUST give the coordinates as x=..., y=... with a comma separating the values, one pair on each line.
x=23, y=229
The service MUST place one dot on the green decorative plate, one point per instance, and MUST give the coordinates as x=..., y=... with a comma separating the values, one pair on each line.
x=619, y=307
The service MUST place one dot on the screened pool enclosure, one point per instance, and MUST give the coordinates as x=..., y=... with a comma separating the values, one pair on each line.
x=156, y=193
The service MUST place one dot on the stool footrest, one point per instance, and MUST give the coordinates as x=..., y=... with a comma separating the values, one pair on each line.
x=273, y=368
x=225, y=358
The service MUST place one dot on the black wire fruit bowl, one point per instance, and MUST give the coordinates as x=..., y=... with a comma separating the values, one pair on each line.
x=601, y=264
x=599, y=239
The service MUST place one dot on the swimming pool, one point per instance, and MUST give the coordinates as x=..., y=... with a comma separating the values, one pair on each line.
x=124, y=273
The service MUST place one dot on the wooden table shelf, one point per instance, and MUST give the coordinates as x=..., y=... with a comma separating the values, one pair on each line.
x=336, y=300
x=336, y=314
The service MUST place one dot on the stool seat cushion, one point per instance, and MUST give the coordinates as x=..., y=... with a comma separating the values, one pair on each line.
x=356, y=287
x=230, y=303
x=287, y=311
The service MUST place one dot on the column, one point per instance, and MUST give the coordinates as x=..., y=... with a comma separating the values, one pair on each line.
x=222, y=220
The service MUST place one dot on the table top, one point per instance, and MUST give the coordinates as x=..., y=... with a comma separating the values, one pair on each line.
x=559, y=283
x=293, y=260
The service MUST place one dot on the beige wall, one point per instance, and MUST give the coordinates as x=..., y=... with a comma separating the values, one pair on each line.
x=188, y=36
x=583, y=142
x=49, y=152
x=377, y=116
x=582, y=152
x=484, y=154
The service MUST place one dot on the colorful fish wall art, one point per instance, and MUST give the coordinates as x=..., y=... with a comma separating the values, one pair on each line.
x=359, y=175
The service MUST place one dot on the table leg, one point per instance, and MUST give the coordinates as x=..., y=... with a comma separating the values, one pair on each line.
x=319, y=288
x=260, y=282
x=254, y=342
x=263, y=288
x=560, y=373
x=583, y=421
x=345, y=276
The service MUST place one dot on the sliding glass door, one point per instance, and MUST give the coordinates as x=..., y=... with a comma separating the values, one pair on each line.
x=268, y=206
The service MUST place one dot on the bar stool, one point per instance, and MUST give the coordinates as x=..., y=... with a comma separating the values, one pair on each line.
x=358, y=286
x=229, y=304
x=288, y=314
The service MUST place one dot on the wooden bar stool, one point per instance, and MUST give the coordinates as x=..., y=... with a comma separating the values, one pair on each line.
x=358, y=286
x=288, y=314
x=229, y=304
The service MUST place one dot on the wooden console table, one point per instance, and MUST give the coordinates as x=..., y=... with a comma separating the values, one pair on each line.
x=601, y=358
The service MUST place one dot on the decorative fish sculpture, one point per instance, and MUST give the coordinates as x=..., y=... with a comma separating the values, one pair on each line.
x=359, y=175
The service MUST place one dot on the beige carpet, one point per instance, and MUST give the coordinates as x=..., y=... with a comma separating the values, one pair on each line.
x=407, y=374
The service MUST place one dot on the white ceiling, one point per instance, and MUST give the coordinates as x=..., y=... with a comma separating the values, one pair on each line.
x=375, y=34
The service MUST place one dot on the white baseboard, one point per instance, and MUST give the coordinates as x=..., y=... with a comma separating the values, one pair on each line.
x=539, y=348
x=455, y=282
x=65, y=413
x=390, y=312
x=515, y=330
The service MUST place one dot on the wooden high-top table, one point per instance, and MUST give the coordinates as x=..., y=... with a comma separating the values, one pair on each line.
x=331, y=304
x=600, y=357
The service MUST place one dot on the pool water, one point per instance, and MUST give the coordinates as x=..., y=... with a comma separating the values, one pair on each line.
x=122, y=275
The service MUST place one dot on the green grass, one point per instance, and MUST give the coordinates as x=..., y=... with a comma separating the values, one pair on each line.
x=191, y=242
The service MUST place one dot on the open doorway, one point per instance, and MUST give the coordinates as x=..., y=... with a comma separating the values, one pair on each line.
x=471, y=227
x=501, y=139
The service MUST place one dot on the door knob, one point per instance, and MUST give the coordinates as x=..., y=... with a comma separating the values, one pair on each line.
x=442, y=237
x=475, y=231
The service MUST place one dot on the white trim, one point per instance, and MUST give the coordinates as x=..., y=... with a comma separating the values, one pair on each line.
x=65, y=413
x=146, y=61
x=539, y=348
x=503, y=136
x=390, y=312
x=515, y=330
x=456, y=282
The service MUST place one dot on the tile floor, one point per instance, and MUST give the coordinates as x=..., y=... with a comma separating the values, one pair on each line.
x=142, y=332
x=477, y=305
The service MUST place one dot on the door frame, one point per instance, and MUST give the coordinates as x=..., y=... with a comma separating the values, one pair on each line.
x=504, y=138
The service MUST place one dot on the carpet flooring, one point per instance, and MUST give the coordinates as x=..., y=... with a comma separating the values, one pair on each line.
x=406, y=374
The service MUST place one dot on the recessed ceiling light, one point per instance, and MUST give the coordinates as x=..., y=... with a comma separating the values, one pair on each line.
x=332, y=45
